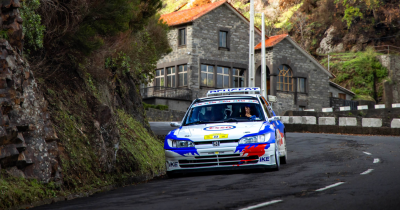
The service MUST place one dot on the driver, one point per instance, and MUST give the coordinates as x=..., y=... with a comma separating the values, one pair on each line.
x=248, y=112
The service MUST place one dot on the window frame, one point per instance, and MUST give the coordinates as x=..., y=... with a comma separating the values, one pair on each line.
x=179, y=36
x=161, y=77
x=298, y=84
x=223, y=75
x=238, y=76
x=172, y=75
x=183, y=73
x=228, y=34
x=283, y=76
x=207, y=73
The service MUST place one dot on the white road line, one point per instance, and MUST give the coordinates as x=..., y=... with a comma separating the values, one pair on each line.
x=376, y=160
x=367, y=171
x=261, y=205
x=330, y=186
x=367, y=153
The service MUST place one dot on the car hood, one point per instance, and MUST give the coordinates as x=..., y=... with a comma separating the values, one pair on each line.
x=234, y=130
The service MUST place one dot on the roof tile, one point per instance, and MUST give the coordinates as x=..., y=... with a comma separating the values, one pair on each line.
x=271, y=41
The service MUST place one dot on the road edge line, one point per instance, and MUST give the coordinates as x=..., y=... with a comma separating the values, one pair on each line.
x=261, y=205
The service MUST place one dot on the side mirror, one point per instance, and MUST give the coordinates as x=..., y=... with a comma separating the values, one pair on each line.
x=274, y=118
x=175, y=124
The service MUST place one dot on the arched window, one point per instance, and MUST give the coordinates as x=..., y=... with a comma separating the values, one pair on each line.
x=285, y=80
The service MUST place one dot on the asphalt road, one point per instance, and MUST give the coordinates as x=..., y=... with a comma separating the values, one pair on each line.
x=315, y=162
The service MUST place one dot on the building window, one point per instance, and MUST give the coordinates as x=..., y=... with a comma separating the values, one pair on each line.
x=207, y=75
x=223, y=39
x=159, y=79
x=222, y=77
x=182, y=36
x=285, y=81
x=238, y=78
x=171, y=77
x=301, y=85
x=182, y=74
x=342, y=96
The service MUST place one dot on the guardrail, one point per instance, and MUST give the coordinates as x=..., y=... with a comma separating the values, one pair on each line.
x=166, y=92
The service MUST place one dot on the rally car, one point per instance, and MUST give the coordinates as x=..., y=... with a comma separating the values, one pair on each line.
x=229, y=129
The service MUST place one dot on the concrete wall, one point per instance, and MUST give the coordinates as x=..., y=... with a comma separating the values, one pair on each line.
x=316, y=96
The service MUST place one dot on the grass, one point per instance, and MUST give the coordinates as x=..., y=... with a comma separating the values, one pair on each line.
x=361, y=72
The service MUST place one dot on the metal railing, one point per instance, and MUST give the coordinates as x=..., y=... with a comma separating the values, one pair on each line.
x=387, y=49
x=166, y=92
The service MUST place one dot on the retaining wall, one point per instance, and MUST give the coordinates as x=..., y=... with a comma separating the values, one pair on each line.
x=154, y=115
x=376, y=121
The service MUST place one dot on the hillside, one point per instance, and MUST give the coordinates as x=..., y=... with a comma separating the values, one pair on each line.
x=75, y=122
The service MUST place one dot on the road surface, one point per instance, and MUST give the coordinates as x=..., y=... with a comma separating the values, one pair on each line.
x=324, y=171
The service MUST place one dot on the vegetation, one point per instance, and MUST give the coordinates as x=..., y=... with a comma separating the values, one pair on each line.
x=32, y=28
x=361, y=72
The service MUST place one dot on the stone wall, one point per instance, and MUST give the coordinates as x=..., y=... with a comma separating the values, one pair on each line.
x=391, y=88
x=316, y=96
x=28, y=142
x=154, y=115
x=205, y=43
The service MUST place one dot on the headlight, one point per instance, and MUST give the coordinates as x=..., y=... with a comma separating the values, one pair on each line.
x=180, y=144
x=255, y=139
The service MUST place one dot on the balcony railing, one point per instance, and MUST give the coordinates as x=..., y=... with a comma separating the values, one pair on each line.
x=166, y=92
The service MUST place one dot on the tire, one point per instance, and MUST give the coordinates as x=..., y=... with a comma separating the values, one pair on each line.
x=277, y=160
x=283, y=159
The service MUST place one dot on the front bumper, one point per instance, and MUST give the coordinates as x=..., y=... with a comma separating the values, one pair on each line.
x=221, y=158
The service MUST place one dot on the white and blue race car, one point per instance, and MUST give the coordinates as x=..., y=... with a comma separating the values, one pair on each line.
x=222, y=132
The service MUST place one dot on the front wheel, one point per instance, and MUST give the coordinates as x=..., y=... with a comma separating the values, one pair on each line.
x=277, y=159
x=284, y=158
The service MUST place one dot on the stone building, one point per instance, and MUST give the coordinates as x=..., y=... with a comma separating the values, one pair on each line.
x=210, y=51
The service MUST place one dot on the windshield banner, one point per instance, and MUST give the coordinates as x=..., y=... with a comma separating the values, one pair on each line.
x=225, y=101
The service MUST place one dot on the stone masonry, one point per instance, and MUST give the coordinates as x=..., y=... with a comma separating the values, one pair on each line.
x=202, y=45
x=392, y=87
x=317, y=81
x=28, y=142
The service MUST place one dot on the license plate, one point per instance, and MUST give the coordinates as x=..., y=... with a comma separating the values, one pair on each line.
x=216, y=136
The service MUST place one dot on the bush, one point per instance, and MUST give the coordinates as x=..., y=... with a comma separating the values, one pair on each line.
x=32, y=28
x=160, y=107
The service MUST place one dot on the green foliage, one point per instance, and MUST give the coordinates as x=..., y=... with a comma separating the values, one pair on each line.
x=160, y=107
x=15, y=191
x=138, y=151
x=361, y=71
x=351, y=13
x=32, y=28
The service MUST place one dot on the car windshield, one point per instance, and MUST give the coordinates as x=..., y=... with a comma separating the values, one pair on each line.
x=225, y=111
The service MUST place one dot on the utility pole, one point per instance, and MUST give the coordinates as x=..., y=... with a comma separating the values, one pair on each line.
x=251, y=45
x=328, y=63
x=264, y=87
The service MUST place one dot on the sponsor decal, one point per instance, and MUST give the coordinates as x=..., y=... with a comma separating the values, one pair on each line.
x=264, y=159
x=216, y=136
x=248, y=150
x=219, y=128
x=233, y=90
